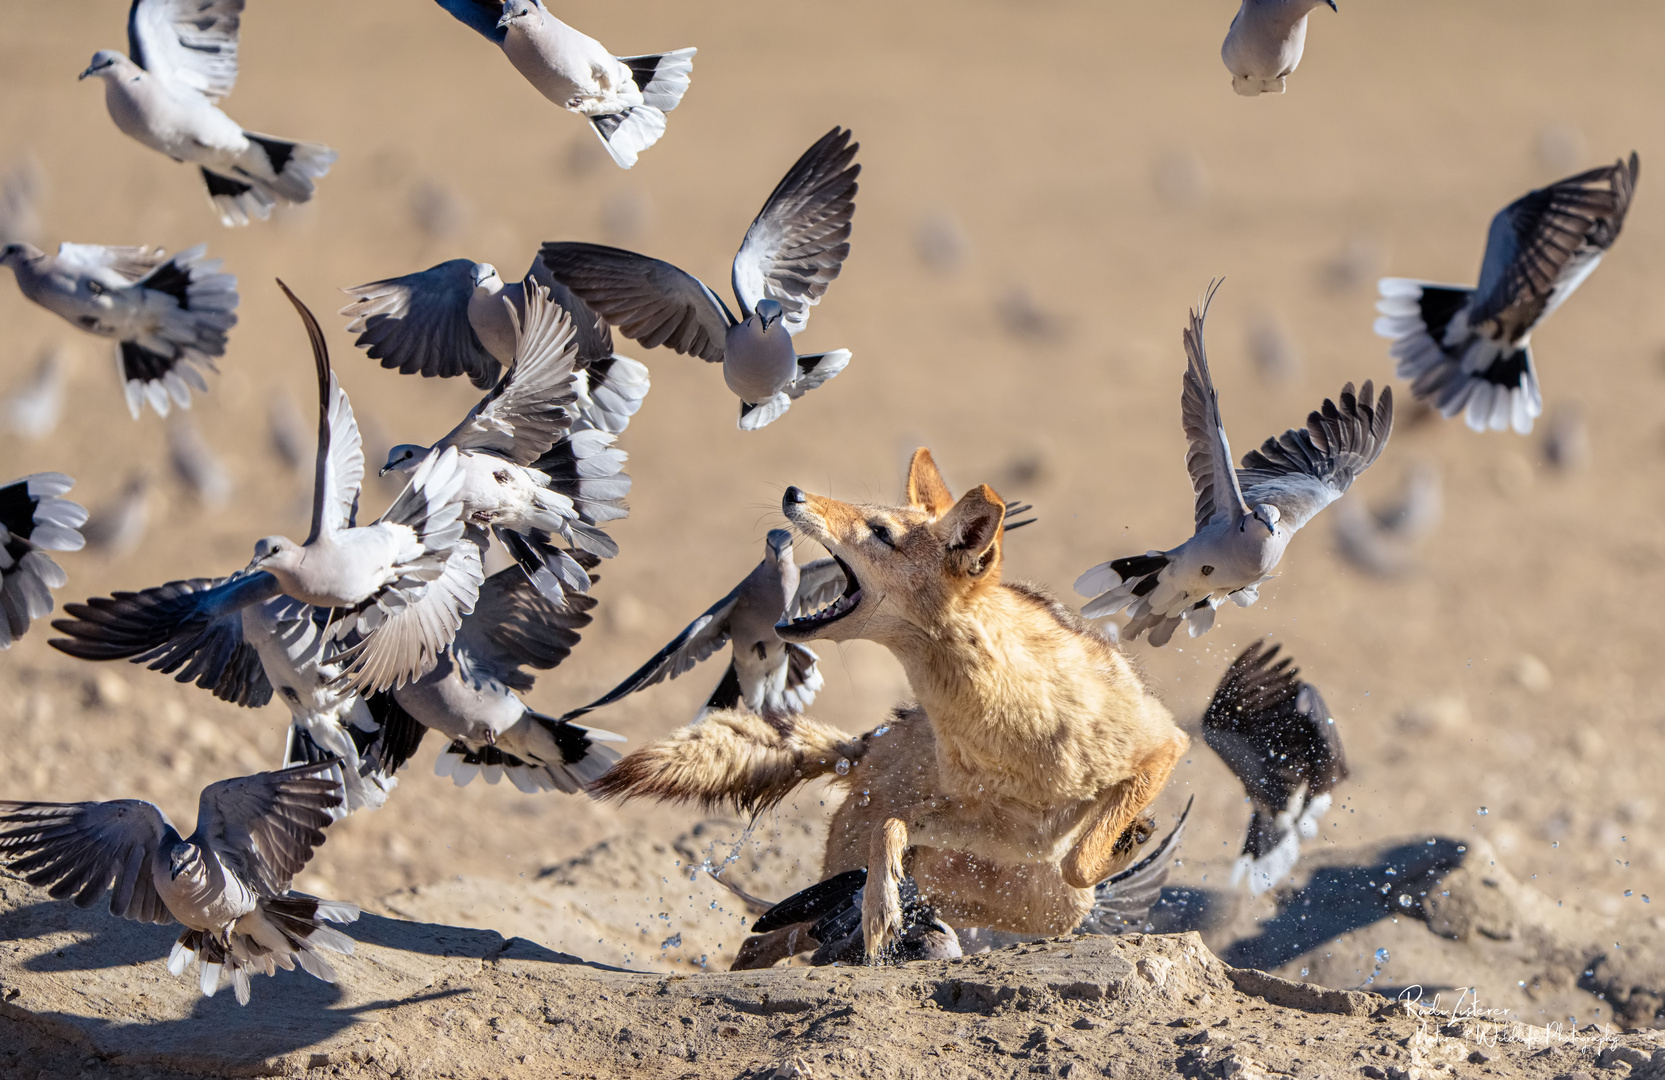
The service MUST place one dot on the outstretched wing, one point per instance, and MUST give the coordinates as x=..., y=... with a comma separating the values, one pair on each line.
x=479, y=15
x=340, y=465
x=698, y=640
x=187, y=42
x=514, y=625
x=1273, y=730
x=648, y=300
x=80, y=849
x=1304, y=470
x=264, y=827
x=800, y=239
x=1208, y=454
x=194, y=627
x=525, y=413
x=1544, y=244
x=419, y=324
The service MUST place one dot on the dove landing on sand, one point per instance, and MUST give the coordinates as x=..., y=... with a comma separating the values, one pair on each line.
x=795, y=247
x=625, y=98
x=451, y=320
x=184, y=59
x=228, y=883
x=1244, y=518
x=33, y=521
x=765, y=675
x=1277, y=735
x=170, y=316
x=1470, y=350
x=1265, y=42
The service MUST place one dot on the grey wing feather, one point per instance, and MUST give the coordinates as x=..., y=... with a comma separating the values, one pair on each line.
x=80, y=849
x=266, y=826
x=1305, y=469
x=410, y=624
x=187, y=42
x=514, y=625
x=648, y=300
x=419, y=324
x=819, y=583
x=1542, y=245
x=800, y=239
x=194, y=627
x=1126, y=898
x=698, y=640
x=524, y=414
x=132, y=263
x=595, y=337
x=1208, y=453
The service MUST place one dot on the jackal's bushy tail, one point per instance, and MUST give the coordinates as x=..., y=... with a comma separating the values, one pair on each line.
x=731, y=757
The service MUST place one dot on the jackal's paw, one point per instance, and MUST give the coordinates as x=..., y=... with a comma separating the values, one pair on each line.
x=881, y=922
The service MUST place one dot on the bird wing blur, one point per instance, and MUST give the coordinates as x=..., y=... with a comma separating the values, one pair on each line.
x=418, y=324
x=1305, y=469
x=647, y=300
x=187, y=42
x=34, y=520
x=1208, y=454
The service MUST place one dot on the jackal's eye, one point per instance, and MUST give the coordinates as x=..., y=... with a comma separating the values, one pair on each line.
x=881, y=534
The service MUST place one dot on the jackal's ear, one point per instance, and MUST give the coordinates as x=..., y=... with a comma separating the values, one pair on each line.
x=972, y=531
x=926, y=491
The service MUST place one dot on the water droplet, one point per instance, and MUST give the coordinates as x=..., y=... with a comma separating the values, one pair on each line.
x=882, y=729
x=672, y=942
x=1627, y=892
x=1556, y=844
x=1303, y=973
x=1381, y=956
x=1482, y=811
x=1404, y=900
x=843, y=767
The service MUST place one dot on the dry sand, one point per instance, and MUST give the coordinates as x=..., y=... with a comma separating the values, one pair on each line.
x=1094, y=170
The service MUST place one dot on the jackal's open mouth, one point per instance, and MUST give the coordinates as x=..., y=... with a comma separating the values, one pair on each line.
x=806, y=626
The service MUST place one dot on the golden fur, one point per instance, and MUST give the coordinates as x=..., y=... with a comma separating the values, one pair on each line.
x=1015, y=783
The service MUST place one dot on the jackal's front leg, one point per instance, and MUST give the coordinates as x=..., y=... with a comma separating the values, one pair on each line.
x=1098, y=853
x=881, y=902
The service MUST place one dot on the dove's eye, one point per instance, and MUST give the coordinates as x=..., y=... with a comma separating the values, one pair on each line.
x=881, y=534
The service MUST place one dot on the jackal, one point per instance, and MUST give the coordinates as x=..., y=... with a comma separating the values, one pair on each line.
x=1018, y=780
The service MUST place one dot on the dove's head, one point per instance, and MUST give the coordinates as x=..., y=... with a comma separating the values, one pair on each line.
x=104, y=62
x=485, y=277
x=1265, y=515
x=516, y=9
x=403, y=458
x=779, y=544
x=769, y=313
x=184, y=858
x=277, y=554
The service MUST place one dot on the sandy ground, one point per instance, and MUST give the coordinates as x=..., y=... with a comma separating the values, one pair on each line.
x=1092, y=170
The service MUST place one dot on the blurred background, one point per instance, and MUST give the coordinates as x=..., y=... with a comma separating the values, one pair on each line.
x=1046, y=188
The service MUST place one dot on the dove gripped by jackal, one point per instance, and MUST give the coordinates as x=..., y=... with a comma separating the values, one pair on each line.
x=184, y=60
x=228, y=882
x=1469, y=350
x=169, y=316
x=1244, y=518
x=767, y=676
x=793, y=250
x=625, y=98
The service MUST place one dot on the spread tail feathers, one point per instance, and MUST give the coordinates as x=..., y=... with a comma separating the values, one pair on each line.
x=537, y=753
x=1494, y=384
x=731, y=757
x=1118, y=583
x=611, y=392
x=662, y=78
x=270, y=171
x=190, y=305
x=626, y=134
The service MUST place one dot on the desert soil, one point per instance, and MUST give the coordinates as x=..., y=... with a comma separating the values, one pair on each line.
x=1046, y=188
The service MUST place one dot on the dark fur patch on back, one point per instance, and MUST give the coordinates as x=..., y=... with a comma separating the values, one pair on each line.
x=1066, y=616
